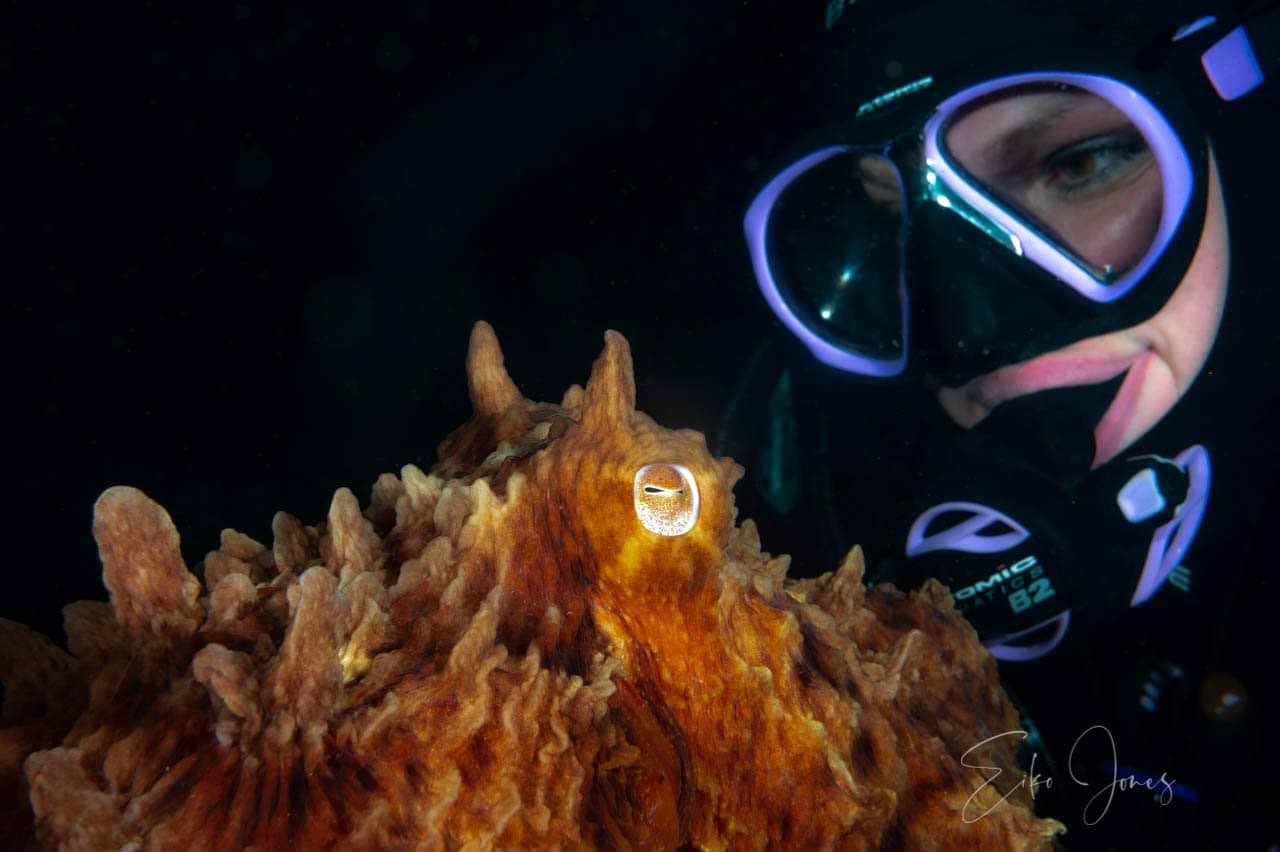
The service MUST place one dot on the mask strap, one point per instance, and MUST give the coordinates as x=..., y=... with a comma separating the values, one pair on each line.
x=1240, y=61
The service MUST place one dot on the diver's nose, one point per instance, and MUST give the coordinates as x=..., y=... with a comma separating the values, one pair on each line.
x=974, y=308
x=965, y=321
x=961, y=329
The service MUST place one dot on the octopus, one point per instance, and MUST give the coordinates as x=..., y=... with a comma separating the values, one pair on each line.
x=559, y=637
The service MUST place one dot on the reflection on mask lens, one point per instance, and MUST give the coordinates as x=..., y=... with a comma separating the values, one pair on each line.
x=1070, y=164
x=834, y=245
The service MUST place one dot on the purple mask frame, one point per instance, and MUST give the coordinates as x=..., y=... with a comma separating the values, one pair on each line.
x=1171, y=156
x=757, y=224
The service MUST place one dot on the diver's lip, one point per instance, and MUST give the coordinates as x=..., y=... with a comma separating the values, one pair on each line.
x=1088, y=362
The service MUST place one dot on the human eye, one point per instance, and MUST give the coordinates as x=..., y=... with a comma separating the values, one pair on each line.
x=1095, y=163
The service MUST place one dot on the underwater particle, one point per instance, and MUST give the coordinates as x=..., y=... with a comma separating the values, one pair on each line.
x=893, y=69
x=666, y=499
x=1223, y=697
x=392, y=54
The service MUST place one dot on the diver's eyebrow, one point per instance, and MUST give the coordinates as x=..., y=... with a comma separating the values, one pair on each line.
x=1007, y=152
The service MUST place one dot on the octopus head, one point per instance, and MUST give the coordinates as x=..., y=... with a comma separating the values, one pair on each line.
x=652, y=506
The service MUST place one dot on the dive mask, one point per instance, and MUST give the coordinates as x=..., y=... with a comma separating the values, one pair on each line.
x=974, y=219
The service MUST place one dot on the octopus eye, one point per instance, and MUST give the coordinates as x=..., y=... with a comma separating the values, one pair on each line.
x=666, y=498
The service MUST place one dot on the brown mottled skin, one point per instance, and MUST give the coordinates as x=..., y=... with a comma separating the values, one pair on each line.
x=500, y=655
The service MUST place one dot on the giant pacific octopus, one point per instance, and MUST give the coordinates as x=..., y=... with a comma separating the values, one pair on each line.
x=555, y=638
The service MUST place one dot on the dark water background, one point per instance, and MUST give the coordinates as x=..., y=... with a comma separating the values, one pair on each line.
x=250, y=242
x=244, y=247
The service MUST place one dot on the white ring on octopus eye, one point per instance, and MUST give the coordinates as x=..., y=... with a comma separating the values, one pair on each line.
x=662, y=520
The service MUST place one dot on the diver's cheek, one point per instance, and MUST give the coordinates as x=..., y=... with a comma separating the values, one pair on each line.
x=1181, y=336
x=1115, y=233
x=1129, y=232
x=1187, y=325
x=1146, y=395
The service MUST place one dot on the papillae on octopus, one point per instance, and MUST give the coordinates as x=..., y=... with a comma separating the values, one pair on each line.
x=557, y=638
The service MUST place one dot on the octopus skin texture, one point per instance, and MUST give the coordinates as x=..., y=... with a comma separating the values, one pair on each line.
x=556, y=638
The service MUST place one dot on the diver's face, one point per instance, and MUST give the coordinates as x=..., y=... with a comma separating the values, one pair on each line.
x=1160, y=357
x=1071, y=164
x=1076, y=169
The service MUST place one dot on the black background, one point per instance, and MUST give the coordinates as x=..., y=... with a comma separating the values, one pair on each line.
x=249, y=242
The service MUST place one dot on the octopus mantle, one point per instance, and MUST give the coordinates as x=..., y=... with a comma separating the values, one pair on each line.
x=556, y=638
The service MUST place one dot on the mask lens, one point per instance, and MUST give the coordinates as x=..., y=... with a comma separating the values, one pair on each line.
x=1068, y=163
x=834, y=248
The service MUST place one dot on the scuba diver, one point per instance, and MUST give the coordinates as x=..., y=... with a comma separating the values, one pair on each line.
x=1019, y=207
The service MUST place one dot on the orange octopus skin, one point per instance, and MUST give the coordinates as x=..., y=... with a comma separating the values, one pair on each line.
x=503, y=653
